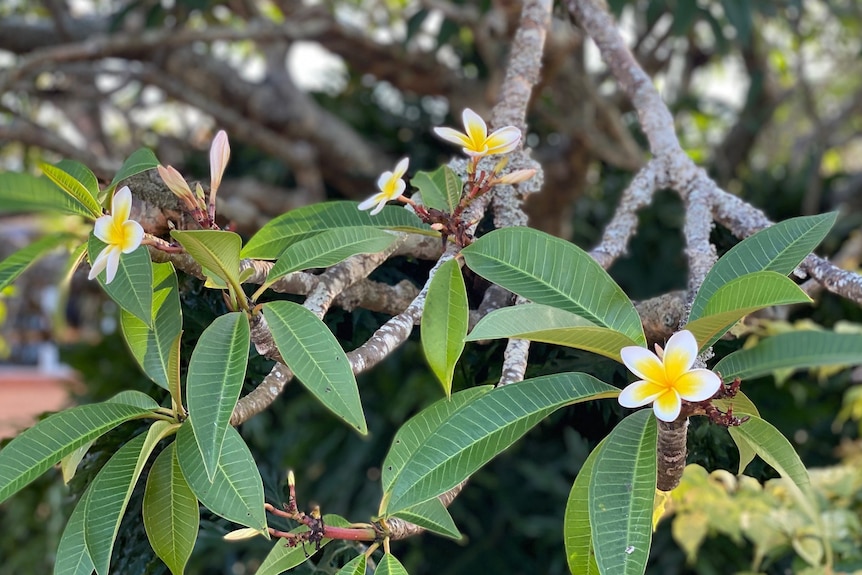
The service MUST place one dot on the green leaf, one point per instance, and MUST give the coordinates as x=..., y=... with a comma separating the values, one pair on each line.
x=28, y=193
x=389, y=565
x=440, y=189
x=328, y=248
x=779, y=248
x=424, y=424
x=14, y=265
x=313, y=354
x=444, y=322
x=433, y=516
x=281, y=557
x=740, y=297
x=236, y=492
x=151, y=346
x=35, y=450
x=775, y=450
x=170, y=511
x=216, y=373
x=69, y=463
x=577, y=532
x=275, y=237
x=83, y=175
x=73, y=557
x=472, y=435
x=792, y=350
x=141, y=160
x=73, y=187
x=132, y=287
x=356, y=566
x=112, y=489
x=537, y=322
x=622, y=490
x=215, y=250
x=554, y=272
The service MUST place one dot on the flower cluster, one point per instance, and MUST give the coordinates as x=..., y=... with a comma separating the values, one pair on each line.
x=122, y=235
x=475, y=142
x=667, y=377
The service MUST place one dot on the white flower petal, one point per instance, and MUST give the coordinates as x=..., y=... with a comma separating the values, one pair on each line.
x=372, y=201
x=643, y=363
x=113, y=264
x=639, y=394
x=401, y=168
x=679, y=353
x=475, y=128
x=504, y=140
x=667, y=406
x=453, y=136
x=133, y=235
x=99, y=263
x=102, y=228
x=379, y=208
x=121, y=204
x=384, y=179
x=697, y=385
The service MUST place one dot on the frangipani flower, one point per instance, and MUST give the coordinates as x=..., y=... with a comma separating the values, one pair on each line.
x=667, y=377
x=475, y=139
x=120, y=233
x=391, y=187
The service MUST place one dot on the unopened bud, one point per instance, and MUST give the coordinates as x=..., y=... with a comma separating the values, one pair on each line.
x=437, y=227
x=500, y=165
x=241, y=534
x=219, y=155
x=291, y=479
x=516, y=177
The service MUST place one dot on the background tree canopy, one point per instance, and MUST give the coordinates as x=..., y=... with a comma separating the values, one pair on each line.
x=320, y=98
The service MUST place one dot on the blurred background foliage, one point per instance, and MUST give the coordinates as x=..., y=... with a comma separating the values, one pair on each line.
x=767, y=95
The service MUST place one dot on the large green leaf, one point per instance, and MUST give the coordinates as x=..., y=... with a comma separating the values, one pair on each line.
x=14, y=265
x=554, y=272
x=440, y=189
x=170, y=511
x=389, y=565
x=775, y=450
x=444, y=322
x=356, y=566
x=217, y=251
x=132, y=287
x=73, y=557
x=792, y=350
x=779, y=248
x=281, y=557
x=421, y=426
x=433, y=516
x=82, y=174
x=577, y=532
x=537, y=322
x=313, y=354
x=35, y=450
x=74, y=188
x=236, y=492
x=482, y=428
x=151, y=346
x=622, y=490
x=112, y=489
x=740, y=297
x=216, y=373
x=328, y=248
x=28, y=193
x=141, y=160
x=274, y=237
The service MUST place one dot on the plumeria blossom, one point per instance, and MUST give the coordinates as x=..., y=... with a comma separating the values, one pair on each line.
x=475, y=139
x=120, y=233
x=391, y=187
x=667, y=377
